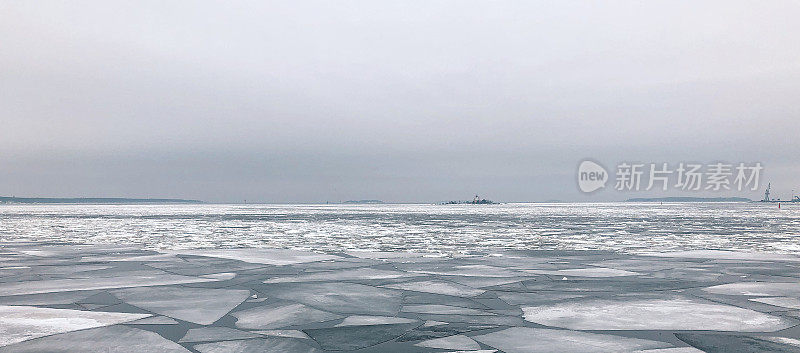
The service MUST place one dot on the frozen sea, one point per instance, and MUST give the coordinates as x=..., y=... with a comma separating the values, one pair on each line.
x=428, y=228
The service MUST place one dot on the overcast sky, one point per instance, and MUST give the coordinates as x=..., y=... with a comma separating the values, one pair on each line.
x=313, y=101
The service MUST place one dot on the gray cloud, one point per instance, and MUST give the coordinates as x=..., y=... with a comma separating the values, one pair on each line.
x=406, y=101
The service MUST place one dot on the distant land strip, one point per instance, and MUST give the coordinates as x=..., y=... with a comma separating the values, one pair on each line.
x=690, y=199
x=363, y=201
x=101, y=200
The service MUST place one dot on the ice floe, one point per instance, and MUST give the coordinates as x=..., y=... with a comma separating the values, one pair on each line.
x=725, y=343
x=152, y=278
x=341, y=297
x=20, y=323
x=725, y=254
x=210, y=334
x=356, y=337
x=586, y=272
x=540, y=340
x=373, y=320
x=263, y=256
x=343, y=275
x=438, y=287
x=459, y=342
x=155, y=320
x=786, y=302
x=283, y=333
x=278, y=315
x=442, y=310
x=189, y=304
x=757, y=289
x=653, y=314
x=263, y=345
x=117, y=339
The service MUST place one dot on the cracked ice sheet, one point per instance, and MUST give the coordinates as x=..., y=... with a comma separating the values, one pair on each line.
x=263, y=256
x=586, y=272
x=786, y=302
x=356, y=337
x=460, y=342
x=757, y=289
x=141, y=279
x=643, y=265
x=210, y=334
x=279, y=315
x=440, y=309
x=284, y=333
x=202, y=307
x=366, y=254
x=67, y=269
x=653, y=314
x=479, y=282
x=517, y=298
x=725, y=255
x=359, y=320
x=20, y=323
x=74, y=250
x=438, y=287
x=116, y=339
x=343, y=275
x=155, y=320
x=473, y=271
x=264, y=345
x=724, y=343
x=47, y=298
x=340, y=297
x=540, y=340
x=118, y=258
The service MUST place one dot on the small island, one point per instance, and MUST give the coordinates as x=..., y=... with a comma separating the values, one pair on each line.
x=475, y=201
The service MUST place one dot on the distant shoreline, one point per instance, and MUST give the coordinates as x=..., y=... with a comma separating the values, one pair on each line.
x=91, y=200
x=141, y=201
x=690, y=199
